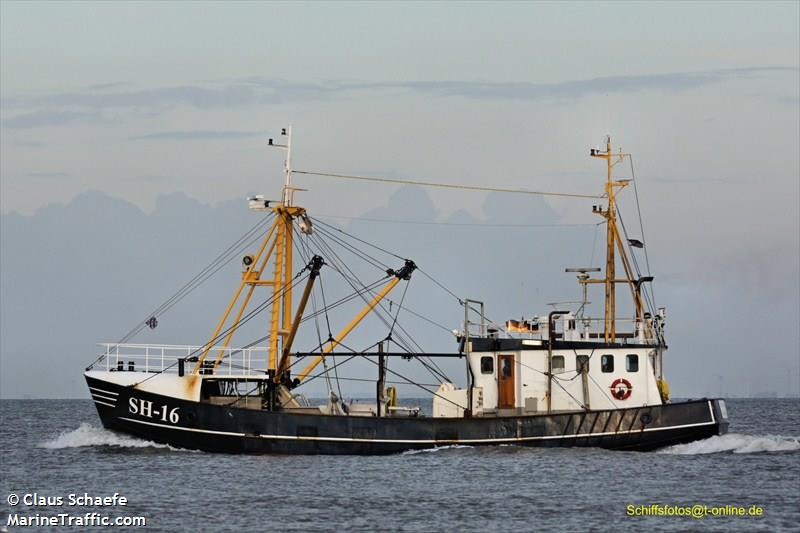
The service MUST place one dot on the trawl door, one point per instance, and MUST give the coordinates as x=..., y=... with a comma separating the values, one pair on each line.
x=505, y=381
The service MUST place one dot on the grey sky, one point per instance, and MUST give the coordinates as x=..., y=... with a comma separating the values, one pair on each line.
x=138, y=100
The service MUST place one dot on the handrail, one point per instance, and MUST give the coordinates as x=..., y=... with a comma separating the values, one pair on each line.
x=162, y=358
x=581, y=329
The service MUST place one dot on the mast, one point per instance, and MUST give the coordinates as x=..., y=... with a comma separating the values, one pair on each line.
x=287, y=186
x=281, y=319
x=611, y=232
x=278, y=241
x=277, y=247
x=613, y=240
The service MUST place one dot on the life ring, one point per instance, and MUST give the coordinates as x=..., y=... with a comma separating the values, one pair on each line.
x=621, y=389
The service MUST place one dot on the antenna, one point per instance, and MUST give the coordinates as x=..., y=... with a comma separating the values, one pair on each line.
x=288, y=189
x=583, y=276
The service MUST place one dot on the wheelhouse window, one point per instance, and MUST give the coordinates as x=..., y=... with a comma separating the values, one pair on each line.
x=487, y=365
x=607, y=363
x=558, y=364
x=632, y=362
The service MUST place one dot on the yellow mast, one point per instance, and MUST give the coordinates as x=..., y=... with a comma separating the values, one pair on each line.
x=279, y=239
x=613, y=241
x=276, y=292
x=611, y=231
x=283, y=323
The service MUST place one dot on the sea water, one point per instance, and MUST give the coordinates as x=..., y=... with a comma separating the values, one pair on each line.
x=55, y=448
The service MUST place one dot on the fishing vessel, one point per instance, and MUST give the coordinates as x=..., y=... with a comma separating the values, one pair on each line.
x=563, y=378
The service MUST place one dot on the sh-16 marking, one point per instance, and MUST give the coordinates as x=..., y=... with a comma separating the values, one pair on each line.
x=146, y=408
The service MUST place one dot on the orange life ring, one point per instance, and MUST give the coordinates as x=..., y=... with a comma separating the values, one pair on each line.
x=621, y=389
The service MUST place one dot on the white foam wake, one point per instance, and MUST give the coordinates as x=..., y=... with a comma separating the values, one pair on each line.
x=736, y=443
x=436, y=449
x=88, y=435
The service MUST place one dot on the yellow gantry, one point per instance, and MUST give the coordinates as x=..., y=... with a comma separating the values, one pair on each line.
x=278, y=246
x=348, y=328
x=278, y=240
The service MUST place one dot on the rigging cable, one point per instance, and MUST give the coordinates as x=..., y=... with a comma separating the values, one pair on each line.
x=407, y=380
x=330, y=339
x=355, y=251
x=396, y=256
x=393, y=302
x=641, y=227
x=456, y=224
x=399, y=307
x=440, y=374
x=305, y=253
x=336, y=304
x=209, y=270
x=352, y=278
x=411, y=382
x=418, y=315
x=603, y=391
x=462, y=302
x=334, y=228
x=556, y=381
x=639, y=211
x=233, y=327
x=594, y=242
x=445, y=185
x=353, y=354
x=650, y=303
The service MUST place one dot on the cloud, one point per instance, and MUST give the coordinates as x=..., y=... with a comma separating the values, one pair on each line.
x=158, y=99
x=239, y=93
x=90, y=104
x=573, y=89
x=196, y=135
x=49, y=117
x=104, y=86
x=48, y=175
x=493, y=90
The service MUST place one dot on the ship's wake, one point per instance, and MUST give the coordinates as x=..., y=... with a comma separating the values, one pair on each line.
x=436, y=449
x=736, y=443
x=87, y=435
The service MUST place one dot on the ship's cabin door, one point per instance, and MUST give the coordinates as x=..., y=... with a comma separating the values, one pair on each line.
x=505, y=381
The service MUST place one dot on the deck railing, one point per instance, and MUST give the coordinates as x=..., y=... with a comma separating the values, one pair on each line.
x=156, y=358
x=628, y=330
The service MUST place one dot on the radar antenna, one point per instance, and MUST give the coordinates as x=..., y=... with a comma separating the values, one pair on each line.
x=583, y=275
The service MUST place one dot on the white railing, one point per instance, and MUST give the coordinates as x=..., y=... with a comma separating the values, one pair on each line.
x=628, y=330
x=151, y=358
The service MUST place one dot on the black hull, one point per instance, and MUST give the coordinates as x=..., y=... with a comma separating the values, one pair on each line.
x=216, y=428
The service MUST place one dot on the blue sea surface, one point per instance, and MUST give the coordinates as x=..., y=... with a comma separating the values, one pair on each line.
x=58, y=447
